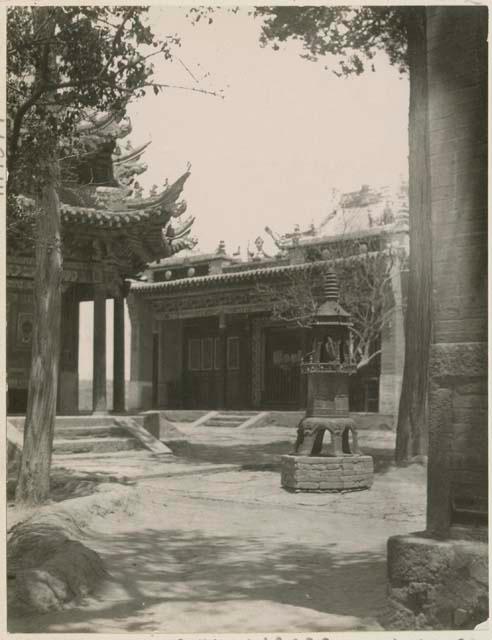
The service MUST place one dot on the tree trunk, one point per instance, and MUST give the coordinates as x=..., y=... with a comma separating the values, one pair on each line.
x=411, y=436
x=34, y=473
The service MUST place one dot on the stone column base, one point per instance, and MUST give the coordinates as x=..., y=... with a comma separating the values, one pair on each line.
x=436, y=584
x=326, y=473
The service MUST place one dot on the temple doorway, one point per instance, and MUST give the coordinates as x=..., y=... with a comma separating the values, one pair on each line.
x=283, y=354
x=216, y=364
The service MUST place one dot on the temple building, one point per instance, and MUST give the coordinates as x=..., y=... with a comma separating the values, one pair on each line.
x=204, y=330
x=110, y=233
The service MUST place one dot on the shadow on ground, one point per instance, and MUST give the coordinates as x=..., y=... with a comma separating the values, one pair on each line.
x=66, y=484
x=191, y=568
x=260, y=457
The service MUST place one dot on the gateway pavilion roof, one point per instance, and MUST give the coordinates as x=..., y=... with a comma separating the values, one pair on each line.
x=100, y=198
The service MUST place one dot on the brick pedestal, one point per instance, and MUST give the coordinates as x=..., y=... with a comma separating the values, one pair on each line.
x=326, y=473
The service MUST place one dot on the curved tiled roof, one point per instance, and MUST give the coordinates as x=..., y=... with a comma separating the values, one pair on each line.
x=225, y=278
x=134, y=231
x=178, y=231
x=358, y=234
x=366, y=212
x=231, y=277
x=193, y=257
x=156, y=210
x=131, y=155
x=105, y=124
x=166, y=198
x=101, y=218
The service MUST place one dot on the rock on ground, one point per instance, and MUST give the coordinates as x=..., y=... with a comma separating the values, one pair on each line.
x=47, y=566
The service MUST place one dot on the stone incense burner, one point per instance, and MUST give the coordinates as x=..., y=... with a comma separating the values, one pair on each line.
x=340, y=466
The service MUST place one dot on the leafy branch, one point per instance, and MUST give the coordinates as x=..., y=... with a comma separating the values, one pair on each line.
x=103, y=61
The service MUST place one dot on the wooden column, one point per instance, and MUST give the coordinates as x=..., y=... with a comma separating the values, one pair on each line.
x=245, y=364
x=68, y=379
x=222, y=388
x=99, y=404
x=119, y=354
x=155, y=370
x=140, y=388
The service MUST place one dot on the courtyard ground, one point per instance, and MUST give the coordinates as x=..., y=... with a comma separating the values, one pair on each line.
x=207, y=541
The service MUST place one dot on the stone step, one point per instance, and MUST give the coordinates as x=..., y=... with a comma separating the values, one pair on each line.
x=66, y=433
x=215, y=423
x=235, y=416
x=230, y=418
x=84, y=421
x=129, y=454
x=96, y=445
x=232, y=412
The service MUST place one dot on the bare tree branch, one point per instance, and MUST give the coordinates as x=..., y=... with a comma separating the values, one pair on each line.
x=365, y=292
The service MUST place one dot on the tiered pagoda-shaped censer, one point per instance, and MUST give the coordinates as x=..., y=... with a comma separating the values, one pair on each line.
x=340, y=465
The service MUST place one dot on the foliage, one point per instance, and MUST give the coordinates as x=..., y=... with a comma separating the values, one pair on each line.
x=354, y=35
x=365, y=292
x=88, y=59
x=20, y=226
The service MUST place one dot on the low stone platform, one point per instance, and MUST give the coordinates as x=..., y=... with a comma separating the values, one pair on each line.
x=326, y=473
x=100, y=434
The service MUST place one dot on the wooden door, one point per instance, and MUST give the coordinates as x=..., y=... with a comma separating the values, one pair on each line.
x=202, y=376
x=210, y=379
x=283, y=356
x=234, y=364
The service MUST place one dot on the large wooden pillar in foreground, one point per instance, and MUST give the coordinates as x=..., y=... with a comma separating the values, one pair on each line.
x=439, y=578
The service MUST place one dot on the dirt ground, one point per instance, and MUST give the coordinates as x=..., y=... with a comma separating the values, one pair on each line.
x=207, y=541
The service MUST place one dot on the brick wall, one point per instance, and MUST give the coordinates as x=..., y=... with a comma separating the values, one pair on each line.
x=457, y=68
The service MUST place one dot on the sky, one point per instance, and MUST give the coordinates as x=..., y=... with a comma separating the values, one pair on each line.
x=285, y=134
